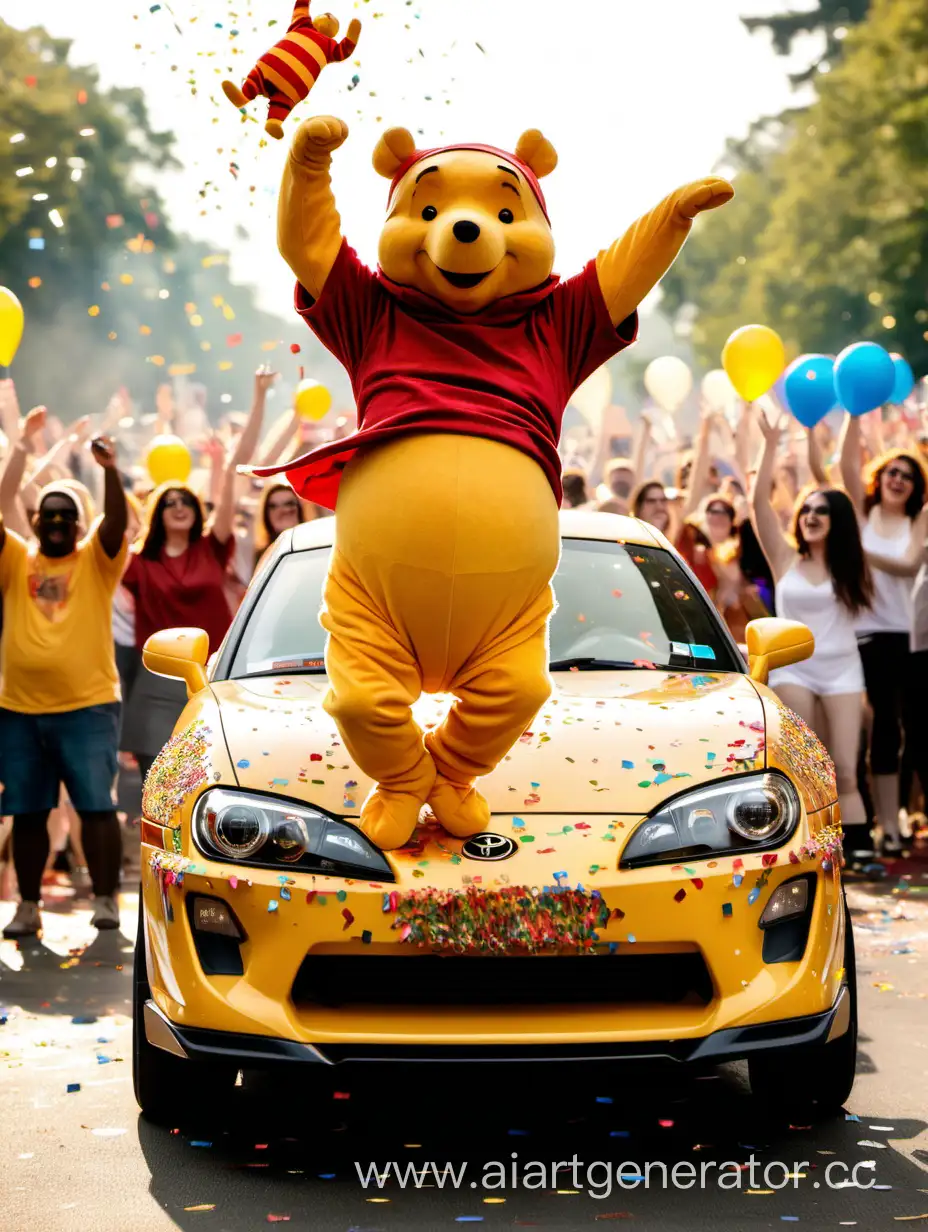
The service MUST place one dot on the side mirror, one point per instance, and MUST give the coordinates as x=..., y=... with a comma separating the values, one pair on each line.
x=179, y=654
x=773, y=643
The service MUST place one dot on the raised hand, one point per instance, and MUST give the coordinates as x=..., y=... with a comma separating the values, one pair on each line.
x=35, y=422
x=264, y=379
x=103, y=449
x=707, y=194
x=318, y=137
x=80, y=429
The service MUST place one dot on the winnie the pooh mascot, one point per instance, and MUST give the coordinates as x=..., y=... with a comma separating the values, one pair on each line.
x=463, y=349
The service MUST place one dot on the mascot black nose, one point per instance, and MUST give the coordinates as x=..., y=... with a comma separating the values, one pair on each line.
x=465, y=231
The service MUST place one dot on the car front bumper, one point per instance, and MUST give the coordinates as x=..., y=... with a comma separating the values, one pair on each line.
x=262, y=1052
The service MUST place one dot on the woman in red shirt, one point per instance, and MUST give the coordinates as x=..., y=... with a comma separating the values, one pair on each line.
x=177, y=577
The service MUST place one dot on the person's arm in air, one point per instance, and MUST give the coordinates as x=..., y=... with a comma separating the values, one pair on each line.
x=112, y=531
x=642, y=444
x=224, y=512
x=11, y=482
x=816, y=464
x=274, y=444
x=699, y=472
x=849, y=462
x=773, y=543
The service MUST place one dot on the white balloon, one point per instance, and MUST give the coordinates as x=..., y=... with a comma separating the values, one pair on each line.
x=668, y=380
x=593, y=396
x=718, y=390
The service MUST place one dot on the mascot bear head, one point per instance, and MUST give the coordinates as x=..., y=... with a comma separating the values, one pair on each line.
x=466, y=224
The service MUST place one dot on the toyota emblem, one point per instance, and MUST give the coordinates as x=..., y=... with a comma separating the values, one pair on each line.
x=489, y=847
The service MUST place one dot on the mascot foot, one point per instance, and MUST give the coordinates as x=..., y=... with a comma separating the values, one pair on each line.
x=274, y=129
x=389, y=818
x=459, y=807
x=234, y=94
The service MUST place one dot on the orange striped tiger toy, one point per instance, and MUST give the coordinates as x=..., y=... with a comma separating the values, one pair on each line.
x=286, y=74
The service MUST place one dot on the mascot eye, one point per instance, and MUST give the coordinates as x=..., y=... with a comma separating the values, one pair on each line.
x=429, y=213
x=505, y=216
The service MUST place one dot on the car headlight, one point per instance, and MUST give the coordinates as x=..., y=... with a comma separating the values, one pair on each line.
x=757, y=810
x=267, y=832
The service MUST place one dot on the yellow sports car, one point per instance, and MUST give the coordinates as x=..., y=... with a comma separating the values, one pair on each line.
x=662, y=877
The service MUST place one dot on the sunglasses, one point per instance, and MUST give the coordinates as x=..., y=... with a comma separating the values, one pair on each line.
x=53, y=516
x=822, y=511
x=896, y=472
x=179, y=502
x=720, y=510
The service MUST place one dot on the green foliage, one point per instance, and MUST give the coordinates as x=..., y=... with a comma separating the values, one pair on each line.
x=114, y=228
x=829, y=17
x=827, y=239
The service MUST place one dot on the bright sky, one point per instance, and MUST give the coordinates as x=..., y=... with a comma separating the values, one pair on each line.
x=638, y=96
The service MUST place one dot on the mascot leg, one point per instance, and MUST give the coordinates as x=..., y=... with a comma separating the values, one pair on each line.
x=374, y=679
x=499, y=691
x=278, y=108
x=251, y=88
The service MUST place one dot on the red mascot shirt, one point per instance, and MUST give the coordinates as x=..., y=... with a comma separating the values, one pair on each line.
x=505, y=373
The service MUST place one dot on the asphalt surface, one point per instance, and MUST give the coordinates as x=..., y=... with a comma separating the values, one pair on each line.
x=84, y=1161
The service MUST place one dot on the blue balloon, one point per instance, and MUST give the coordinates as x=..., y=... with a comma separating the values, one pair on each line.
x=905, y=379
x=809, y=388
x=864, y=377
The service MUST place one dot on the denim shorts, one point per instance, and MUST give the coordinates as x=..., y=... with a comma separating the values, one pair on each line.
x=39, y=752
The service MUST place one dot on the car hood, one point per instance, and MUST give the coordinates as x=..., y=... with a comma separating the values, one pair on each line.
x=607, y=742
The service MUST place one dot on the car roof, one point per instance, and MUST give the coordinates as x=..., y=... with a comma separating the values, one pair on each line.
x=575, y=524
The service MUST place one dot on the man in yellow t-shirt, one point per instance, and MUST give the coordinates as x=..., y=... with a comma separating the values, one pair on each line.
x=59, y=689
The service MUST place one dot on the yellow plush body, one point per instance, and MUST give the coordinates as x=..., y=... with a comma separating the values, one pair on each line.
x=431, y=589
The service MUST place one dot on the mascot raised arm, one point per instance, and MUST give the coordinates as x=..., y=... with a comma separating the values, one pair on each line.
x=463, y=349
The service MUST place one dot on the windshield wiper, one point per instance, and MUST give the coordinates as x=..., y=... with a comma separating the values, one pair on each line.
x=587, y=663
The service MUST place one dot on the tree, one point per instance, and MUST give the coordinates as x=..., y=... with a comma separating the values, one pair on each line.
x=833, y=229
x=112, y=296
x=830, y=18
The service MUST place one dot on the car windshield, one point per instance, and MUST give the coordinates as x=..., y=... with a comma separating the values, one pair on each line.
x=618, y=606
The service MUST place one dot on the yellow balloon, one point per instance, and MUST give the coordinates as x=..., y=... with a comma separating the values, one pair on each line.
x=312, y=400
x=11, y=326
x=754, y=357
x=168, y=458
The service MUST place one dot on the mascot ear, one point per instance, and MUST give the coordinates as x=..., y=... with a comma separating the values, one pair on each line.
x=392, y=150
x=537, y=152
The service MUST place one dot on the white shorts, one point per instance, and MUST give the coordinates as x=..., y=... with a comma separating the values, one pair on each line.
x=825, y=675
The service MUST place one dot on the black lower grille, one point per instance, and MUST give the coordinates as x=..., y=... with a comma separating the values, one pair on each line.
x=608, y=979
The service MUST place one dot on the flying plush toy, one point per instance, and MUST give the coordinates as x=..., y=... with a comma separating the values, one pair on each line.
x=463, y=350
x=286, y=74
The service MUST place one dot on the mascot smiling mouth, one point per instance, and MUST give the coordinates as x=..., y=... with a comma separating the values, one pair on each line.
x=463, y=281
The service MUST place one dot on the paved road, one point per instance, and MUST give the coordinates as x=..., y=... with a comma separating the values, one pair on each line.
x=85, y=1162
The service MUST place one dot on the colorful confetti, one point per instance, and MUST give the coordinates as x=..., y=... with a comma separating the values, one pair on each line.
x=179, y=769
x=512, y=919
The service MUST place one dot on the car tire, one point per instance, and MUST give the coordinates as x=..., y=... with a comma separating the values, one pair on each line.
x=167, y=1088
x=812, y=1082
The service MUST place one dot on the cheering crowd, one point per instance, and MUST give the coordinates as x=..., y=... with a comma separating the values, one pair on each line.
x=827, y=526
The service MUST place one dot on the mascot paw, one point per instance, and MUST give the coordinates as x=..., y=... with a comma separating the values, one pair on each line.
x=460, y=808
x=320, y=135
x=234, y=94
x=388, y=818
x=705, y=195
x=274, y=129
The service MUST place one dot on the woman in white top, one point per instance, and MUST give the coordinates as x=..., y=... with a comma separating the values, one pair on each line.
x=890, y=502
x=822, y=579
